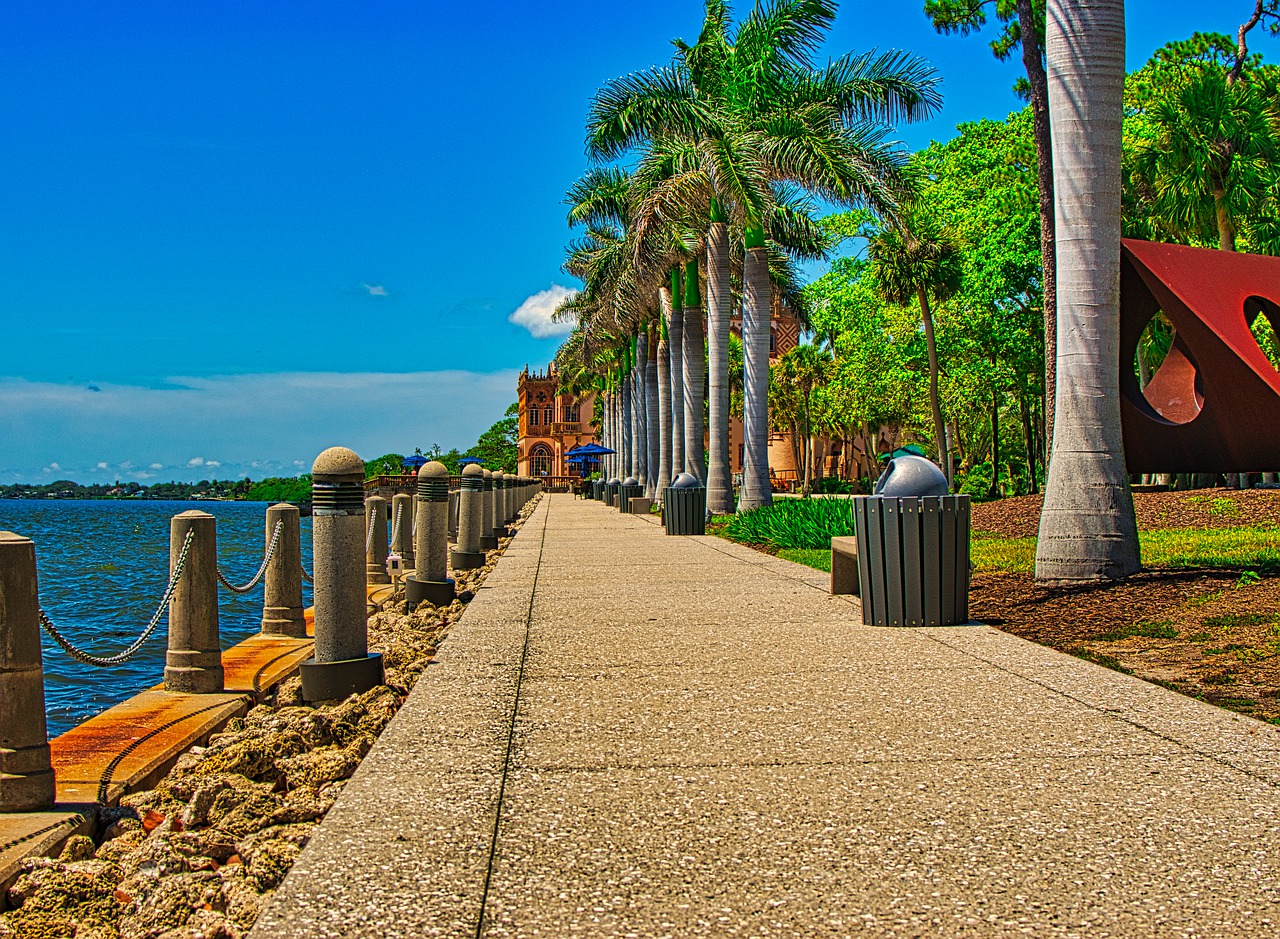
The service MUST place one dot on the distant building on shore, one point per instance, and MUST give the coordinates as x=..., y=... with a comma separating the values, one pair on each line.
x=551, y=423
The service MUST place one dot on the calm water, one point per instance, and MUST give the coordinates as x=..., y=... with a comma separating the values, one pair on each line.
x=103, y=568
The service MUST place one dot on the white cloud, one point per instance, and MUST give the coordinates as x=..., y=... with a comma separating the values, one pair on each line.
x=196, y=461
x=52, y=468
x=535, y=313
x=375, y=290
x=102, y=464
x=156, y=466
x=213, y=463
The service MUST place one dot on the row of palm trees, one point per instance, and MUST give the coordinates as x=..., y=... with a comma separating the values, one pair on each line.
x=725, y=146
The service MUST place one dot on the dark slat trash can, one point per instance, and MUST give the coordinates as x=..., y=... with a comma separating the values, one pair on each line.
x=596, y=486
x=684, y=507
x=630, y=489
x=913, y=559
x=611, y=490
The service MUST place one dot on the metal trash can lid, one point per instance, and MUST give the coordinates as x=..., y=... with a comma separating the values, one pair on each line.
x=631, y=481
x=911, y=475
x=614, y=482
x=685, y=481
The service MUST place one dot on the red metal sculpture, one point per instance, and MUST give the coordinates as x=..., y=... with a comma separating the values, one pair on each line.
x=1213, y=406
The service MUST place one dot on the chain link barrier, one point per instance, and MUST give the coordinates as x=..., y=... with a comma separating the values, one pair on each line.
x=271, y=550
x=121, y=657
x=307, y=576
x=395, y=527
x=368, y=535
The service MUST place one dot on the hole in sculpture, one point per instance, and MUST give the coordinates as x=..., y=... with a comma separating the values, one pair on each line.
x=1167, y=372
x=1262, y=316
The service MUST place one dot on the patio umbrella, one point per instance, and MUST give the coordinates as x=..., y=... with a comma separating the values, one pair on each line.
x=591, y=449
x=468, y=460
x=415, y=462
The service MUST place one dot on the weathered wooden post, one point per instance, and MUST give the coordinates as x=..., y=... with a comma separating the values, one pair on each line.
x=375, y=508
x=342, y=664
x=282, y=590
x=402, y=521
x=430, y=582
x=26, y=775
x=193, y=664
x=467, y=554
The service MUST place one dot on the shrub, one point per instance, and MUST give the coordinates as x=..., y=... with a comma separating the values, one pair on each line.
x=833, y=484
x=794, y=523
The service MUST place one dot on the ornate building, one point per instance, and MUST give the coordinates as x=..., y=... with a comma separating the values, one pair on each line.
x=551, y=423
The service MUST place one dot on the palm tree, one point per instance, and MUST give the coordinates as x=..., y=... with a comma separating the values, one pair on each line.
x=753, y=109
x=913, y=261
x=806, y=367
x=664, y=399
x=695, y=364
x=1087, y=528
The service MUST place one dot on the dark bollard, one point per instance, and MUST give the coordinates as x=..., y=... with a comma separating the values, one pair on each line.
x=430, y=582
x=26, y=774
x=282, y=613
x=342, y=664
x=375, y=510
x=193, y=664
x=467, y=554
x=403, y=508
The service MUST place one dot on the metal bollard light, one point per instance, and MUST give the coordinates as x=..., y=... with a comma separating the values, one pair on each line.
x=193, y=664
x=342, y=664
x=403, y=506
x=282, y=613
x=467, y=554
x=26, y=774
x=487, y=540
x=430, y=582
x=375, y=510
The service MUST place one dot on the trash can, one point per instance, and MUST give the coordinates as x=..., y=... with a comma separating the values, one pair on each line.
x=684, y=506
x=630, y=489
x=611, y=490
x=596, y=486
x=913, y=549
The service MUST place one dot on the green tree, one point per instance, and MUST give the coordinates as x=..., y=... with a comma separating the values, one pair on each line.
x=497, y=445
x=805, y=367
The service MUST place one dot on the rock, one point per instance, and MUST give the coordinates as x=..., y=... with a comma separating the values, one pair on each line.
x=77, y=848
x=171, y=903
x=317, y=767
x=57, y=899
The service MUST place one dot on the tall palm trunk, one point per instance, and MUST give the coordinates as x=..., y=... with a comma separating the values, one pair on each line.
x=652, y=416
x=675, y=346
x=719, y=313
x=695, y=378
x=608, y=468
x=641, y=398
x=664, y=399
x=1087, y=528
x=757, y=309
x=935, y=401
x=625, y=415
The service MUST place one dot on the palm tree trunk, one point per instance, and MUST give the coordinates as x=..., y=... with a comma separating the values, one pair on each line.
x=808, y=447
x=1036, y=77
x=695, y=378
x=719, y=314
x=1087, y=529
x=993, y=492
x=935, y=402
x=626, y=415
x=664, y=400
x=1226, y=230
x=757, y=309
x=641, y=398
x=1028, y=438
x=675, y=345
x=652, y=412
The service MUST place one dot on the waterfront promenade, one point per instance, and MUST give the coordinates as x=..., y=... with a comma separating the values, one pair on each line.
x=629, y=734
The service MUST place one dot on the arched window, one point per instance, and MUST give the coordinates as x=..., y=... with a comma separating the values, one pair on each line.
x=540, y=460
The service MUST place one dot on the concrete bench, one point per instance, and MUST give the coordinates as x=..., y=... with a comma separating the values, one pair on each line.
x=640, y=506
x=844, y=566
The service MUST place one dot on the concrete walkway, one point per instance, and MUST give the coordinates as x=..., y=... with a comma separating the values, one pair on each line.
x=636, y=735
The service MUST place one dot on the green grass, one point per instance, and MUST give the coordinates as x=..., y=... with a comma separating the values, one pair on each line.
x=817, y=558
x=1215, y=505
x=793, y=523
x=1235, y=620
x=1149, y=630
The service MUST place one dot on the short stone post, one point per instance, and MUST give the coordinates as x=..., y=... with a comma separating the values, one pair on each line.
x=488, y=541
x=500, y=505
x=193, y=664
x=375, y=508
x=454, y=497
x=342, y=664
x=26, y=775
x=509, y=498
x=467, y=554
x=430, y=582
x=402, y=506
x=282, y=589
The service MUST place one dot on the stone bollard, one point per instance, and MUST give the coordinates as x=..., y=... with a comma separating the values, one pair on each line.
x=509, y=499
x=467, y=554
x=487, y=540
x=375, y=510
x=193, y=664
x=454, y=496
x=282, y=590
x=402, y=507
x=342, y=664
x=500, y=505
x=430, y=582
x=26, y=774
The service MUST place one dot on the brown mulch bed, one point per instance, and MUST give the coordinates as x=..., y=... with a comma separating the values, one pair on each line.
x=1019, y=517
x=1210, y=634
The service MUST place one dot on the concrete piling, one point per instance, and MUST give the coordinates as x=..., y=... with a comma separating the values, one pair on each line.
x=468, y=554
x=500, y=481
x=375, y=508
x=282, y=589
x=193, y=664
x=454, y=498
x=26, y=775
x=487, y=540
x=430, y=582
x=342, y=663
x=402, y=508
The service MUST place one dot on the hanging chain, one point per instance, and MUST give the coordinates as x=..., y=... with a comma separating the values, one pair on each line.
x=368, y=536
x=395, y=527
x=122, y=657
x=271, y=549
x=306, y=576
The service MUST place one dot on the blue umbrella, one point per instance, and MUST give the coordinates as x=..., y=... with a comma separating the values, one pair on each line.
x=415, y=462
x=468, y=460
x=591, y=449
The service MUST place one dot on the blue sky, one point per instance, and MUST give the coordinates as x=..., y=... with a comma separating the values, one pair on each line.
x=233, y=234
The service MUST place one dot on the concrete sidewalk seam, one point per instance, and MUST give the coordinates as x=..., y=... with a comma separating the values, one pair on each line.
x=511, y=727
